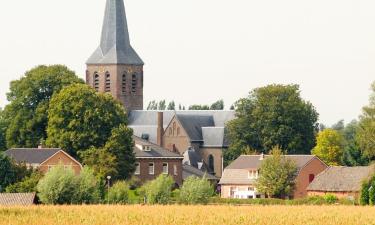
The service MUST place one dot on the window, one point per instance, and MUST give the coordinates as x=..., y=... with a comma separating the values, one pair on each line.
x=123, y=83
x=151, y=168
x=134, y=83
x=175, y=172
x=137, y=169
x=165, y=168
x=107, y=82
x=96, y=81
x=211, y=165
x=311, y=177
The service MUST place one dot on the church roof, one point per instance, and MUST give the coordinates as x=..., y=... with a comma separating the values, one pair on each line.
x=115, y=45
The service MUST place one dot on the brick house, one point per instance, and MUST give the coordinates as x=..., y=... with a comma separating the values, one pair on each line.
x=343, y=182
x=43, y=159
x=238, y=180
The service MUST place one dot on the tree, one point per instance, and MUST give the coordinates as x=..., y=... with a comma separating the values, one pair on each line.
x=58, y=186
x=162, y=105
x=199, y=107
x=339, y=126
x=153, y=105
x=101, y=161
x=329, y=147
x=171, y=106
x=7, y=172
x=274, y=115
x=119, y=193
x=277, y=175
x=196, y=191
x=219, y=105
x=158, y=191
x=27, y=185
x=88, y=188
x=80, y=118
x=366, y=130
x=29, y=97
x=3, y=127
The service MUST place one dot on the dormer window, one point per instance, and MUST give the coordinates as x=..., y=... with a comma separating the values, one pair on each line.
x=145, y=148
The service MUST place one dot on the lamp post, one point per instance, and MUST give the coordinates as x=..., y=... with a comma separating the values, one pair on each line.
x=108, y=179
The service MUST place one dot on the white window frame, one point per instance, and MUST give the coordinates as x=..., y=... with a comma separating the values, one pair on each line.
x=175, y=171
x=137, y=169
x=167, y=168
x=153, y=168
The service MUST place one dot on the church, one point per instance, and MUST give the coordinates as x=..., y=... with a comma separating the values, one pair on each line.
x=116, y=68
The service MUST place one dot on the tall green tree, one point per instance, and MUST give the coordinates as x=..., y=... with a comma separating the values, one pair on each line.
x=3, y=127
x=366, y=131
x=29, y=97
x=199, y=107
x=171, y=105
x=80, y=118
x=329, y=147
x=7, y=172
x=274, y=115
x=219, y=105
x=277, y=175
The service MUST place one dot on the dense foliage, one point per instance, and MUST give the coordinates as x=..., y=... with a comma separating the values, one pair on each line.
x=29, y=97
x=329, y=147
x=270, y=116
x=368, y=192
x=119, y=193
x=7, y=172
x=61, y=186
x=195, y=191
x=26, y=185
x=277, y=175
x=158, y=191
x=3, y=127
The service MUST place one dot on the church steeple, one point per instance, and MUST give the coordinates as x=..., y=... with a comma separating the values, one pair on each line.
x=115, y=67
x=115, y=45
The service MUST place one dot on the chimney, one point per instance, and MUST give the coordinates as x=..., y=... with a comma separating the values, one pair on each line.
x=160, y=129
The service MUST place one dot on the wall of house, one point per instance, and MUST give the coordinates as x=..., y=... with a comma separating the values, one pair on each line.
x=217, y=153
x=226, y=189
x=175, y=135
x=338, y=194
x=302, y=181
x=60, y=158
x=144, y=175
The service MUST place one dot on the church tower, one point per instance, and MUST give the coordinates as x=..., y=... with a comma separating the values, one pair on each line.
x=115, y=67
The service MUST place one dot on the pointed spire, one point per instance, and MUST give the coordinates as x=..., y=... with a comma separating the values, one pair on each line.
x=115, y=45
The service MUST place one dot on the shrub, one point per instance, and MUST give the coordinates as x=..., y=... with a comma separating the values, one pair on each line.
x=119, y=193
x=195, y=191
x=159, y=190
x=330, y=199
x=58, y=186
x=27, y=185
x=88, y=190
x=365, y=198
x=134, y=183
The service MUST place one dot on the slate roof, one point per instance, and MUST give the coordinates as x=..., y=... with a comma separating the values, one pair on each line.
x=341, y=179
x=236, y=176
x=31, y=155
x=145, y=122
x=188, y=171
x=17, y=199
x=155, y=152
x=193, y=125
x=192, y=158
x=115, y=45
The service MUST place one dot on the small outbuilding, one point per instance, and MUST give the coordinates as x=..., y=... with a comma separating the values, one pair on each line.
x=17, y=199
x=343, y=182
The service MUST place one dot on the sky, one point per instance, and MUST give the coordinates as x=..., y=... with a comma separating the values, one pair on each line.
x=199, y=51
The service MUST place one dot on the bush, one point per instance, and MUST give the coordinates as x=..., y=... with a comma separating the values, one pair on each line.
x=159, y=190
x=195, y=191
x=330, y=199
x=134, y=183
x=62, y=186
x=365, y=195
x=119, y=193
x=27, y=185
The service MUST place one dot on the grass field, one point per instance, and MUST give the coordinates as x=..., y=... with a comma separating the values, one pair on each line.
x=187, y=215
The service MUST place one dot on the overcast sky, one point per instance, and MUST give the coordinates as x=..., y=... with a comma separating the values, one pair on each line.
x=198, y=51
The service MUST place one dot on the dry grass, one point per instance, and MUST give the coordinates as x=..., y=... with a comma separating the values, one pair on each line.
x=187, y=215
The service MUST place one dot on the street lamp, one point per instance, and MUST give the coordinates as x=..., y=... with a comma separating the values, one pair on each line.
x=109, y=179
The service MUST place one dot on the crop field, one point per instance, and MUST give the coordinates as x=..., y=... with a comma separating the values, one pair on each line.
x=187, y=215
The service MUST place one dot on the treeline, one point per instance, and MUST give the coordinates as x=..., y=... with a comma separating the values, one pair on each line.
x=162, y=105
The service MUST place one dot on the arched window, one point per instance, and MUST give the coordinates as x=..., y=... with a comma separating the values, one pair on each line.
x=174, y=128
x=123, y=83
x=107, y=82
x=96, y=81
x=134, y=83
x=211, y=164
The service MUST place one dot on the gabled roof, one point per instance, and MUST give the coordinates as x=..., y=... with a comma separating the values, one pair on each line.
x=188, y=171
x=115, y=45
x=17, y=199
x=341, y=179
x=31, y=155
x=236, y=176
x=193, y=125
x=155, y=152
x=254, y=161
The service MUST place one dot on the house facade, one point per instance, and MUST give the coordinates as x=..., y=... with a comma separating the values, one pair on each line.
x=239, y=178
x=43, y=159
x=343, y=182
